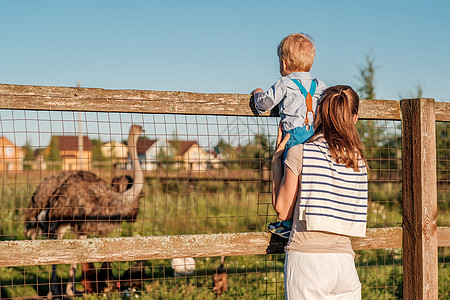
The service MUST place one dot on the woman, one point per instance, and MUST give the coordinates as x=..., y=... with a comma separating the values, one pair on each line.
x=323, y=187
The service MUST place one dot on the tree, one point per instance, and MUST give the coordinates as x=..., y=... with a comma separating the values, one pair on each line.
x=366, y=77
x=416, y=93
x=29, y=152
x=257, y=153
x=53, y=150
x=366, y=128
x=97, y=154
x=380, y=145
x=419, y=91
x=228, y=154
x=165, y=159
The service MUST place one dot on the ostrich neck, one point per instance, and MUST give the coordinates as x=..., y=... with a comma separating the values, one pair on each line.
x=134, y=192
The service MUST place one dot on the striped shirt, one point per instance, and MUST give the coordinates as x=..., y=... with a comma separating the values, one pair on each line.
x=333, y=198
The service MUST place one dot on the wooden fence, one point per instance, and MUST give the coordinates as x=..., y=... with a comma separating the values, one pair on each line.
x=419, y=236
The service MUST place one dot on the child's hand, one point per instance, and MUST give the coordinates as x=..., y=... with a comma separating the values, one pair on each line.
x=252, y=101
x=258, y=90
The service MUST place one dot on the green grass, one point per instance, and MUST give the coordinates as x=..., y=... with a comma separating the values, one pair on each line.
x=185, y=208
x=250, y=277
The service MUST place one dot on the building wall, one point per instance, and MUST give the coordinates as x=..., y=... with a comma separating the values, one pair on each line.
x=115, y=150
x=151, y=155
x=11, y=157
x=195, y=158
x=71, y=160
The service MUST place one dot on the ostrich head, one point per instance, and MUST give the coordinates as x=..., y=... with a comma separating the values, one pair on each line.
x=135, y=132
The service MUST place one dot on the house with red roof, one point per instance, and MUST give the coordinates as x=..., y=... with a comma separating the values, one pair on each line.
x=190, y=156
x=68, y=151
x=160, y=153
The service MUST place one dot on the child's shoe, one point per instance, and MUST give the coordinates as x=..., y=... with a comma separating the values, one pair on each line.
x=280, y=229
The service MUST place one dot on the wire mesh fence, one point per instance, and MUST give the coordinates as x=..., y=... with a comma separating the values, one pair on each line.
x=443, y=199
x=201, y=174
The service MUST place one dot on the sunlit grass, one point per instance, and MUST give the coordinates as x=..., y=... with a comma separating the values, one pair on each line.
x=181, y=208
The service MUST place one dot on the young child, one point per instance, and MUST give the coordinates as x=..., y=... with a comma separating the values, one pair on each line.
x=297, y=94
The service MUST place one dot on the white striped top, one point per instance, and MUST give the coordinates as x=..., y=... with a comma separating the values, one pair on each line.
x=333, y=198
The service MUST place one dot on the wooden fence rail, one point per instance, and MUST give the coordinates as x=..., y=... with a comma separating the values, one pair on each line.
x=419, y=237
x=138, y=101
x=44, y=252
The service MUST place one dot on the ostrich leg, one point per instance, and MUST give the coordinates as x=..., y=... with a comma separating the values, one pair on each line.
x=54, y=284
x=54, y=289
x=70, y=288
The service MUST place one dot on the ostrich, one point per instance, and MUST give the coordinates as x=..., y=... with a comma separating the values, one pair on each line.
x=85, y=203
x=121, y=183
x=220, y=278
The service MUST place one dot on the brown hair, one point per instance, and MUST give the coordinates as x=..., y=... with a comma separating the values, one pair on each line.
x=335, y=120
x=298, y=51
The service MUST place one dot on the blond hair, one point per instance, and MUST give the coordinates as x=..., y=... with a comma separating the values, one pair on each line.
x=298, y=51
x=335, y=119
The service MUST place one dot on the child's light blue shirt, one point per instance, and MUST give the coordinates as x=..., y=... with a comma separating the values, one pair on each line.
x=291, y=102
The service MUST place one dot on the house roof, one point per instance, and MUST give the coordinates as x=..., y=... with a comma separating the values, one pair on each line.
x=182, y=146
x=70, y=143
x=5, y=142
x=143, y=144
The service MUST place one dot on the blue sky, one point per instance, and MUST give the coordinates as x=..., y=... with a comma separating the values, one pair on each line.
x=221, y=46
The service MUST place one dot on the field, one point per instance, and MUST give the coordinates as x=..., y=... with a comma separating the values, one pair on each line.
x=177, y=207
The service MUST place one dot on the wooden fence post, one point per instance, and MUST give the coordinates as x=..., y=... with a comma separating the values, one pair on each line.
x=420, y=257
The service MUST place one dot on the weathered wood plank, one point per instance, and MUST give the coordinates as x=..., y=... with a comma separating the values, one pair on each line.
x=442, y=111
x=379, y=238
x=139, y=101
x=443, y=235
x=144, y=101
x=44, y=252
x=419, y=193
x=379, y=109
x=40, y=252
x=160, y=247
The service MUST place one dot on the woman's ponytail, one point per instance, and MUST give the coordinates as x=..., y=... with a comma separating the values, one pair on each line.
x=335, y=120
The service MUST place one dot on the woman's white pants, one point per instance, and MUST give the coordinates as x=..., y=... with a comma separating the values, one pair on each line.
x=320, y=276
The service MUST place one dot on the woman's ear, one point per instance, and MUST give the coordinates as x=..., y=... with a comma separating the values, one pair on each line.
x=355, y=118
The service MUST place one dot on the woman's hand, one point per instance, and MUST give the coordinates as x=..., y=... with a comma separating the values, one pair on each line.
x=281, y=143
